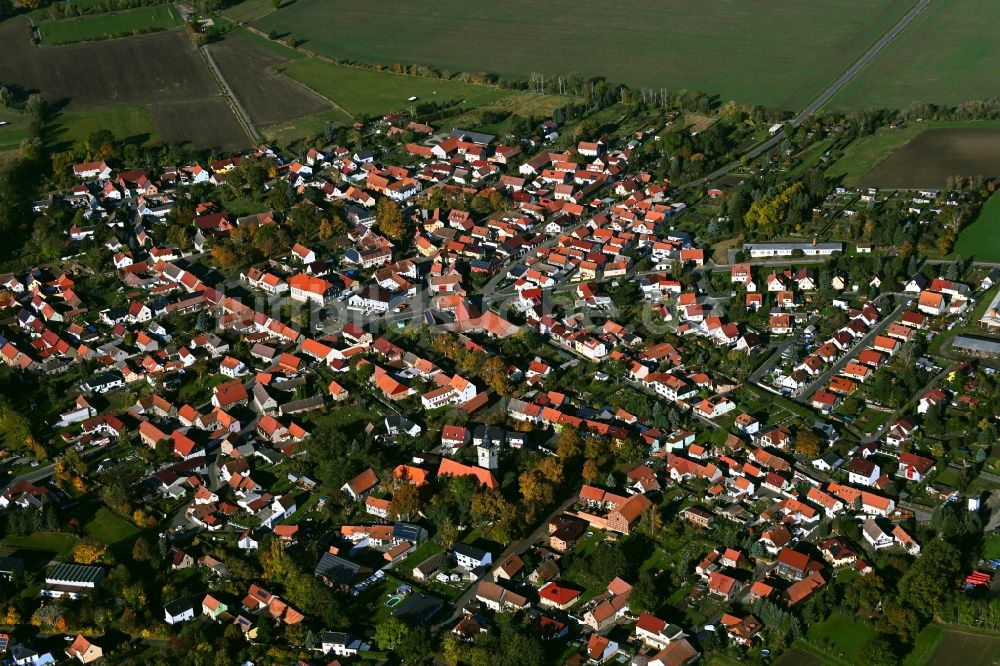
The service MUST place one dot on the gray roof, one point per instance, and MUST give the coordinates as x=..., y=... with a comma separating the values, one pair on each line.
x=418, y=609
x=75, y=573
x=469, y=551
x=976, y=344
x=794, y=246
x=337, y=568
x=475, y=137
x=178, y=606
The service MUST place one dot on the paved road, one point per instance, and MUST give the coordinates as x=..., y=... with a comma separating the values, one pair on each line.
x=519, y=548
x=805, y=394
x=824, y=96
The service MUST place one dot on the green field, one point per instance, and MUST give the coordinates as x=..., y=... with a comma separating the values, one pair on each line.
x=948, y=55
x=58, y=543
x=107, y=527
x=779, y=54
x=981, y=239
x=15, y=129
x=103, y=26
x=126, y=122
x=367, y=92
x=843, y=633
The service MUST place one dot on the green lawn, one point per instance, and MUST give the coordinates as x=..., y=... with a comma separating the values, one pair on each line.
x=58, y=543
x=924, y=646
x=249, y=10
x=948, y=55
x=131, y=123
x=778, y=54
x=981, y=239
x=103, y=26
x=107, y=527
x=991, y=549
x=844, y=634
x=365, y=91
x=15, y=129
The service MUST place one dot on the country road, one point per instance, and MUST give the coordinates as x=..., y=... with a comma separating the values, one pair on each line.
x=824, y=96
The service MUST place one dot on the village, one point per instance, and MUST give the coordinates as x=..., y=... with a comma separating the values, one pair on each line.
x=440, y=378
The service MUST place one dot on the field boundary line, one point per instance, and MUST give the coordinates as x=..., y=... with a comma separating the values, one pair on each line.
x=230, y=96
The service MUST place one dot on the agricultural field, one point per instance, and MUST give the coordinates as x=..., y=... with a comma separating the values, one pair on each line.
x=93, y=74
x=948, y=55
x=981, y=239
x=367, y=92
x=268, y=96
x=95, y=85
x=936, y=154
x=779, y=54
x=105, y=26
x=961, y=646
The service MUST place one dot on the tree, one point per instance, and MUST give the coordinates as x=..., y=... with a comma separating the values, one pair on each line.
x=569, y=443
x=494, y=373
x=644, y=597
x=590, y=471
x=390, y=219
x=89, y=551
x=807, y=443
x=877, y=651
x=142, y=550
x=405, y=500
x=391, y=633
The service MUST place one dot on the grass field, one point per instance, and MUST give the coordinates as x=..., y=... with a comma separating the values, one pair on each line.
x=14, y=129
x=924, y=645
x=367, y=92
x=981, y=239
x=779, y=54
x=105, y=526
x=58, y=543
x=128, y=123
x=103, y=26
x=845, y=634
x=948, y=55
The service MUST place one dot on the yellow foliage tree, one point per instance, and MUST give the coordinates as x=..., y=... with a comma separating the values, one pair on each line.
x=89, y=551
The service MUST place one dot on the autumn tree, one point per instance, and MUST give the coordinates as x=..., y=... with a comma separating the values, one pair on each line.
x=390, y=219
x=494, y=373
x=405, y=501
x=569, y=443
x=143, y=551
x=88, y=551
x=591, y=471
x=551, y=469
x=807, y=443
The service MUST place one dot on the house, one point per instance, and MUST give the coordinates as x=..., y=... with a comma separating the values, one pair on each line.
x=341, y=644
x=361, y=485
x=471, y=558
x=913, y=467
x=600, y=649
x=83, y=650
x=178, y=610
x=722, y=586
x=801, y=590
x=499, y=599
x=836, y=551
x=875, y=535
x=558, y=596
x=742, y=631
x=794, y=565
x=627, y=514
x=656, y=633
x=677, y=653
x=863, y=472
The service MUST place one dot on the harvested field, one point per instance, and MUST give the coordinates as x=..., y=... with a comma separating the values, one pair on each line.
x=162, y=71
x=929, y=159
x=148, y=68
x=779, y=53
x=966, y=648
x=268, y=96
x=206, y=123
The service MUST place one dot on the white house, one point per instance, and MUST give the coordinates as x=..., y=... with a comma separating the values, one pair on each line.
x=178, y=610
